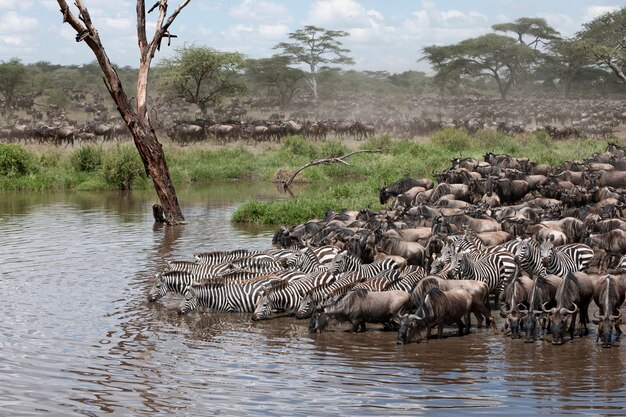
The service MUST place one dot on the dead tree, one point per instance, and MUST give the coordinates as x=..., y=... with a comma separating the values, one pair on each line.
x=335, y=160
x=136, y=118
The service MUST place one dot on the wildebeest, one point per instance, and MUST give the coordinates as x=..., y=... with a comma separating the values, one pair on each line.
x=437, y=309
x=359, y=307
x=612, y=242
x=401, y=186
x=516, y=294
x=478, y=290
x=608, y=296
x=572, y=298
x=541, y=295
x=413, y=252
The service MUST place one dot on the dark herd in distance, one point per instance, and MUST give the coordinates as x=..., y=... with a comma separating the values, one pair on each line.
x=417, y=117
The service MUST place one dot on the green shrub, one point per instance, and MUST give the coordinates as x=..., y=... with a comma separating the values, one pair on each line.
x=384, y=143
x=122, y=166
x=87, y=159
x=451, y=139
x=299, y=146
x=16, y=161
x=333, y=149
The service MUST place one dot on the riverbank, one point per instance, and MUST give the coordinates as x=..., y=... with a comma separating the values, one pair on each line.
x=329, y=186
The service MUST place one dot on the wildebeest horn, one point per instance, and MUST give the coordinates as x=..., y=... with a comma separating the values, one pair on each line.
x=415, y=317
x=597, y=316
x=619, y=316
x=521, y=308
x=564, y=310
x=550, y=311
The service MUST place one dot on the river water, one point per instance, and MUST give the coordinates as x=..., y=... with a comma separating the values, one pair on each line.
x=78, y=338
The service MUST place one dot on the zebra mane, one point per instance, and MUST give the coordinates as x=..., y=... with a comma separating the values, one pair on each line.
x=275, y=286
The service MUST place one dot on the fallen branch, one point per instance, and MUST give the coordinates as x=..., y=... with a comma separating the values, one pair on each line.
x=337, y=160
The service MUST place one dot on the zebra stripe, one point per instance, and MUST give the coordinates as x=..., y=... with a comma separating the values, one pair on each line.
x=528, y=257
x=287, y=297
x=346, y=262
x=305, y=260
x=175, y=281
x=197, y=268
x=343, y=283
x=494, y=269
x=219, y=257
x=573, y=257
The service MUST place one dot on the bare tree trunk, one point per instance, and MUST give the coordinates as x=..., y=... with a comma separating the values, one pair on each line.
x=137, y=119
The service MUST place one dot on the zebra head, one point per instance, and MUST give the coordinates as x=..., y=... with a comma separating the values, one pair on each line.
x=159, y=289
x=546, y=248
x=263, y=308
x=190, y=302
x=306, y=307
x=338, y=264
x=293, y=260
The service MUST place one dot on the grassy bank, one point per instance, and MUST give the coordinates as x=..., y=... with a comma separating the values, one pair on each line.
x=334, y=186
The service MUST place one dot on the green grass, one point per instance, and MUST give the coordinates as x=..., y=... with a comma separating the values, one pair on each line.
x=332, y=186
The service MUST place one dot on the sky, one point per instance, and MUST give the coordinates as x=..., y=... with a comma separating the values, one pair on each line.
x=384, y=35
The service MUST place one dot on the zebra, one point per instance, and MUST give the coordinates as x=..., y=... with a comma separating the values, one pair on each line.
x=345, y=261
x=326, y=253
x=197, y=268
x=528, y=257
x=225, y=296
x=343, y=283
x=287, y=296
x=381, y=281
x=304, y=260
x=234, y=292
x=175, y=281
x=219, y=257
x=573, y=257
x=408, y=281
x=496, y=270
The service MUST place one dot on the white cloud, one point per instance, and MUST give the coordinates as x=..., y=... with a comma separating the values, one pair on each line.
x=120, y=23
x=261, y=10
x=273, y=31
x=12, y=22
x=594, y=11
x=340, y=12
x=20, y=5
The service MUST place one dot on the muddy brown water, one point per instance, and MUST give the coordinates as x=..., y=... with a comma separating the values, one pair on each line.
x=77, y=336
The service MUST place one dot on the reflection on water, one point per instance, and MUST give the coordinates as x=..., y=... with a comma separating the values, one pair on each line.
x=79, y=338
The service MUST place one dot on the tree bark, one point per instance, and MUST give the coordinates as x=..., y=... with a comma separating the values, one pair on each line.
x=137, y=120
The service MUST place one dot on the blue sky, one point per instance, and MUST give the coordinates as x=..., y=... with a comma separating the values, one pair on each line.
x=384, y=34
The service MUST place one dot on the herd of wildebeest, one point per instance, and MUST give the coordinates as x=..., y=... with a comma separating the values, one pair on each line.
x=418, y=118
x=534, y=242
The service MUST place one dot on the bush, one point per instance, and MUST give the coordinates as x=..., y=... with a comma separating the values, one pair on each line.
x=451, y=139
x=299, y=146
x=122, y=166
x=87, y=159
x=16, y=161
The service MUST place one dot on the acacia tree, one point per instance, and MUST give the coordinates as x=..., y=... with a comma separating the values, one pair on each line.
x=605, y=38
x=495, y=56
x=202, y=76
x=12, y=77
x=136, y=117
x=446, y=62
x=535, y=27
x=276, y=76
x=315, y=46
x=567, y=59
